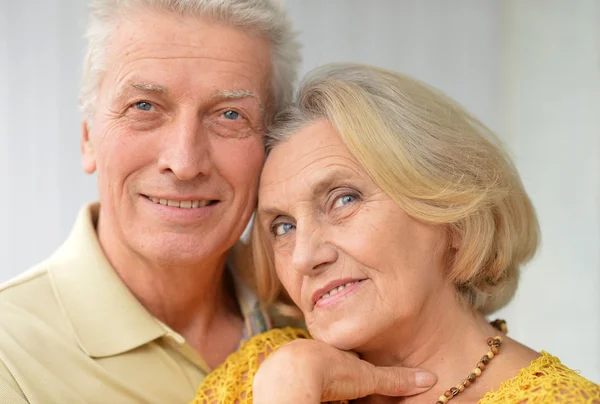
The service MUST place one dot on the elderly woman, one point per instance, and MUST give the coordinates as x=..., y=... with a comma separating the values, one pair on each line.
x=395, y=222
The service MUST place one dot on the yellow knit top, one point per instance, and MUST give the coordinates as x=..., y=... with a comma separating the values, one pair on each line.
x=545, y=380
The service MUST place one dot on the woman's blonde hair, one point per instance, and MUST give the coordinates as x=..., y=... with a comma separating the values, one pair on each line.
x=440, y=164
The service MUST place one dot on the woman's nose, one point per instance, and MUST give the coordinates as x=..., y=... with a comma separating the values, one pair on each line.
x=312, y=252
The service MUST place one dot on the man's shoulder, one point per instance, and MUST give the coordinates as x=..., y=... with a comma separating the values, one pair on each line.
x=28, y=301
x=284, y=316
x=34, y=292
x=26, y=286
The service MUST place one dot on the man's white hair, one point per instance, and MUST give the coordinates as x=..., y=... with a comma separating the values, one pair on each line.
x=267, y=17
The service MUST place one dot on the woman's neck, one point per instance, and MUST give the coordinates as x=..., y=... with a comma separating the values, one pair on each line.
x=447, y=339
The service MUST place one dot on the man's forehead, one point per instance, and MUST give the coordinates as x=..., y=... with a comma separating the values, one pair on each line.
x=180, y=35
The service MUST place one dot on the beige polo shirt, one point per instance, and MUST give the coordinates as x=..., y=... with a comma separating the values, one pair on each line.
x=72, y=332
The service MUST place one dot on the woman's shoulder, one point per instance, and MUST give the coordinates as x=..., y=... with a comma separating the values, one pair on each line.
x=545, y=380
x=232, y=381
x=270, y=340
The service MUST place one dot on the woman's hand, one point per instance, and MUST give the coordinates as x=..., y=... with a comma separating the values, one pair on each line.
x=309, y=371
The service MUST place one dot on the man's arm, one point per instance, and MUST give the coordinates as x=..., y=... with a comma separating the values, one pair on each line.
x=10, y=392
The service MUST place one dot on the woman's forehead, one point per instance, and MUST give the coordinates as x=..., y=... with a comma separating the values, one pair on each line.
x=306, y=163
x=315, y=146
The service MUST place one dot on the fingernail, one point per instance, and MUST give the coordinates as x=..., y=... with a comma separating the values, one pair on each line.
x=424, y=379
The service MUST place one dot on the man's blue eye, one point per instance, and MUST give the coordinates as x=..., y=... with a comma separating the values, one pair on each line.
x=232, y=115
x=143, y=106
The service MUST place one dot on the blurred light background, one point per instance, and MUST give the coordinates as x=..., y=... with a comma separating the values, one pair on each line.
x=529, y=69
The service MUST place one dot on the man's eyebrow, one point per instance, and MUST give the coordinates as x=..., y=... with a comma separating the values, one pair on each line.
x=150, y=87
x=143, y=87
x=237, y=95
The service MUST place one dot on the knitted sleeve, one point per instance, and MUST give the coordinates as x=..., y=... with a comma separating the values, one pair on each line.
x=231, y=383
x=546, y=380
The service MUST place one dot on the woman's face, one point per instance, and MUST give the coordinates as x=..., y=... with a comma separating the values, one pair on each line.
x=356, y=265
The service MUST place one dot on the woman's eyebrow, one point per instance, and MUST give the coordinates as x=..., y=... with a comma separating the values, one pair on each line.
x=324, y=183
x=320, y=186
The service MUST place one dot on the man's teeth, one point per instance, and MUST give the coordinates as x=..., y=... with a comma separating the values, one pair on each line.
x=181, y=204
x=336, y=290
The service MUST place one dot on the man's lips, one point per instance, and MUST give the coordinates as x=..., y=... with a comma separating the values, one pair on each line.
x=185, y=203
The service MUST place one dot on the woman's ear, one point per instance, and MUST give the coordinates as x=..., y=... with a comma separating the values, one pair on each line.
x=455, y=237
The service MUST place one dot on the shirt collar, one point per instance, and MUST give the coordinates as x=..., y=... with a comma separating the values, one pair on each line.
x=105, y=316
x=256, y=317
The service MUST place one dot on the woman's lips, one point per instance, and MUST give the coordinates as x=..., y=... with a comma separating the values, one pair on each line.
x=333, y=291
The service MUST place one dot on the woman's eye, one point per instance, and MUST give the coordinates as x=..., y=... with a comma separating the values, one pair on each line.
x=282, y=228
x=344, y=200
x=231, y=115
x=143, y=106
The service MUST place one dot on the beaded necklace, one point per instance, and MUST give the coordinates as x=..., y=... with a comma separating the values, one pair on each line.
x=494, y=345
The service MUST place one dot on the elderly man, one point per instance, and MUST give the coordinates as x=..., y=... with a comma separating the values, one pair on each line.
x=140, y=303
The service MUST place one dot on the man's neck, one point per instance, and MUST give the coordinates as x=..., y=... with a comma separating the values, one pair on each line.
x=195, y=299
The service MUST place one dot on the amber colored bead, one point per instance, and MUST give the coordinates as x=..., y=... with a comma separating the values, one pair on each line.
x=467, y=382
x=500, y=325
x=485, y=359
x=472, y=377
x=495, y=350
x=481, y=365
x=447, y=393
x=454, y=391
x=490, y=341
x=461, y=388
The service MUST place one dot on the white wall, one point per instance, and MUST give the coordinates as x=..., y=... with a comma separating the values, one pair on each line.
x=4, y=162
x=552, y=120
x=528, y=69
x=451, y=45
x=43, y=185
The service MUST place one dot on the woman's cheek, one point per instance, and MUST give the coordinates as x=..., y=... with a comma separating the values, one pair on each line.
x=291, y=282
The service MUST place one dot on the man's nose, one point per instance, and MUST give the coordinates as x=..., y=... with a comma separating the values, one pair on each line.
x=186, y=149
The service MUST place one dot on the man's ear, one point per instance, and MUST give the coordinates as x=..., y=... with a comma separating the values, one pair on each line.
x=88, y=157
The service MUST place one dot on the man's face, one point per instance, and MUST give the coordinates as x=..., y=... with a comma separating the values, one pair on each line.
x=176, y=136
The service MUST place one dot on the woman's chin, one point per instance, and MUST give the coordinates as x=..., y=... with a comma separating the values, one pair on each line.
x=345, y=337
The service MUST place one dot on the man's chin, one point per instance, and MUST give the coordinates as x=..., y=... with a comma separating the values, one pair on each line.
x=177, y=249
